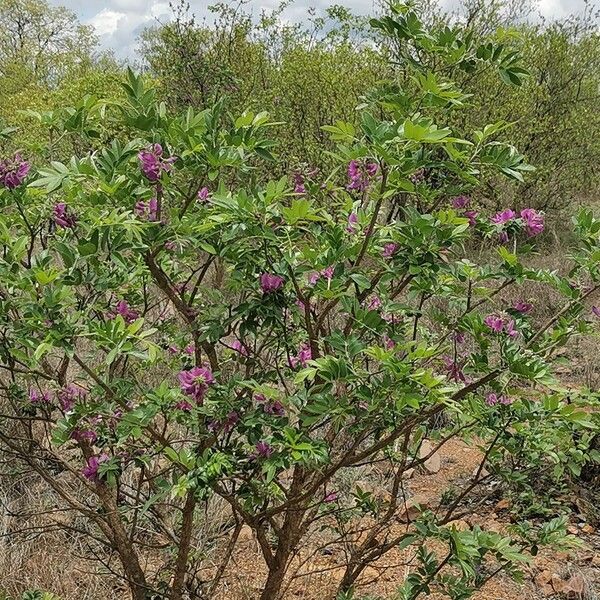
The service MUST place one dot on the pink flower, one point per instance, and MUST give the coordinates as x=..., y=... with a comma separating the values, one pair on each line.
x=389, y=250
x=271, y=283
x=195, y=381
x=460, y=202
x=331, y=497
x=313, y=278
x=62, y=217
x=239, y=347
x=153, y=164
x=388, y=343
x=190, y=349
x=509, y=328
x=503, y=217
x=472, y=216
x=458, y=337
x=534, y=221
x=90, y=471
x=523, y=307
x=492, y=399
x=352, y=222
x=13, y=171
x=494, y=322
x=302, y=358
x=203, y=195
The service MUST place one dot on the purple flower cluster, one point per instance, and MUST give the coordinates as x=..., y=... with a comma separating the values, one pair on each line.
x=69, y=396
x=84, y=435
x=62, y=217
x=460, y=202
x=454, y=370
x=327, y=273
x=195, y=382
x=225, y=425
x=523, y=307
x=492, y=399
x=203, y=195
x=90, y=471
x=299, y=187
x=153, y=164
x=124, y=310
x=37, y=397
x=147, y=210
x=239, y=347
x=13, y=171
x=269, y=282
x=497, y=324
x=360, y=175
x=389, y=250
x=302, y=358
x=270, y=407
x=262, y=450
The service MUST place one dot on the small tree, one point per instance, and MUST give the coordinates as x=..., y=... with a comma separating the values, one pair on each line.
x=175, y=331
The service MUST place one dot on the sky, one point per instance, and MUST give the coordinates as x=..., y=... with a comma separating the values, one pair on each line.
x=118, y=23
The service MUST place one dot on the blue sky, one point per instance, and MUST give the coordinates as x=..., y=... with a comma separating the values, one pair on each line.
x=118, y=23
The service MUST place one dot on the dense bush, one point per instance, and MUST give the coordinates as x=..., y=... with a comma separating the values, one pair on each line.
x=173, y=330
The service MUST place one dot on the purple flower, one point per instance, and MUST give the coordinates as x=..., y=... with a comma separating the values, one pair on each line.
x=153, y=164
x=596, y=311
x=534, y=221
x=195, y=382
x=90, y=471
x=472, y=216
x=509, y=328
x=271, y=283
x=262, y=450
x=69, y=395
x=374, y=303
x=183, y=405
x=359, y=175
x=275, y=408
x=523, y=307
x=84, y=435
x=454, y=370
x=124, y=310
x=331, y=497
x=352, y=222
x=190, y=349
x=170, y=245
x=492, y=399
x=388, y=343
x=458, y=337
x=328, y=272
x=302, y=358
x=147, y=211
x=62, y=217
x=503, y=237
x=460, y=202
x=299, y=187
x=494, y=322
x=389, y=250
x=13, y=171
x=203, y=195
x=226, y=425
x=36, y=397
x=503, y=217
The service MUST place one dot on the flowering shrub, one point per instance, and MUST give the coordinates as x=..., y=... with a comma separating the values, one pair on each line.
x=174, y=331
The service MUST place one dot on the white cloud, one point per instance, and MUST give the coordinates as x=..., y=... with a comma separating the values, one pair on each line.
x=106, y=22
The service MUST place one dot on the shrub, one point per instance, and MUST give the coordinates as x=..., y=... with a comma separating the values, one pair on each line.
x=173, y=332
